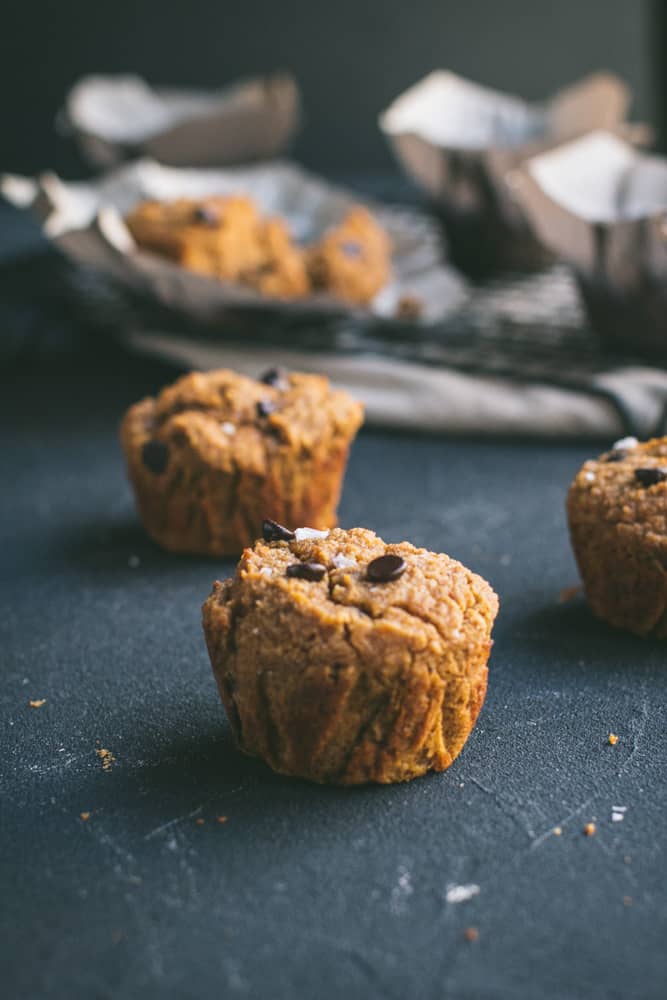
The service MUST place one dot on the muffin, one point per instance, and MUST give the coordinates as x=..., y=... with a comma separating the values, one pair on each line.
x=352, y=261
x=213, y=454
x=282, y=272
x=342, y=659
x=617, y=512
x=216, y=236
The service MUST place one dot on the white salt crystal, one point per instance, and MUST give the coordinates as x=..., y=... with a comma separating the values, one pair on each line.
x=461, y=893
x=302, y=534
x=343, y=562
x=627, y=442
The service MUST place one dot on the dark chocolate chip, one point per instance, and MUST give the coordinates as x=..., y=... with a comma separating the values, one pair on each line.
x=277, y=377
x=649, y=477
x=155, y=455
x=350, y=249
x=307, y=570
x=274, y=532
x=614, y=456
x=264, y=407
x=385, y=568
x=207, y=214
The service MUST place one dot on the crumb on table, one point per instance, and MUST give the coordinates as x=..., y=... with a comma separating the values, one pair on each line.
x=613, y=739
x=37, y=702
x=222, y=819
x=557, y=831
x=200, y=821
x=106, y=757
x=85, y=816
x=471, y=934
x=590, y=829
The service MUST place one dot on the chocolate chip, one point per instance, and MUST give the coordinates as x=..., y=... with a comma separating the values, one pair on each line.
x=264, y=407
x=614, y=456
x=276, y=377
x=350, y=249
x=307, y=570
x=155, y=455
x=274, y=532
x=385, y=568
x=649, y=477
x=206, y=214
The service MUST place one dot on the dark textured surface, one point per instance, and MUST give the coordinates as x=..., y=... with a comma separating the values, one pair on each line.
x=308, y=891
x=304, y=891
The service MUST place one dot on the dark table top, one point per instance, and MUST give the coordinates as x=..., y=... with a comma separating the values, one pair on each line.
x=308, y=891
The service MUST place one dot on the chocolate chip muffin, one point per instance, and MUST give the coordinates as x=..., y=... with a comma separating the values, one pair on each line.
x=617, y=511
x=216, y=236
x=342, y=659
x=352, y=261
x=214, y=453
x=282, y=271
x=223, y=237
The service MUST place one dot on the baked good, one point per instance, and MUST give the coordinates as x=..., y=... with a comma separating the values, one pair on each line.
x=217, y=236
x=213, y=454
x=223, y=237
x=617, y=512
x=282, y=271
x=342, y=659
x=353, y=259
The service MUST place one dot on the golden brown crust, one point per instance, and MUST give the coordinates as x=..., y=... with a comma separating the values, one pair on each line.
x=282, y=272
x=618, y=528
x=216, y=236
x=343, y=680
x=353, y=260
x=224, y=238
x=214, y=454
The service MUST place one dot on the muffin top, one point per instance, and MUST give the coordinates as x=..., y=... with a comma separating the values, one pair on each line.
x=193, y=216
x=229, y=419
x=352, y=259
x=355, y=581
x=625, y=486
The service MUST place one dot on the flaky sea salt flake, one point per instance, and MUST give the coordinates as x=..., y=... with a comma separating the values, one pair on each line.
x=303, y=534
x=343, y=562
x=461, y=893
x=626, y=442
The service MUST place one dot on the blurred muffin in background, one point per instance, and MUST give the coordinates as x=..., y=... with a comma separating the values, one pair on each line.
x=353, y=259
x=223, y=237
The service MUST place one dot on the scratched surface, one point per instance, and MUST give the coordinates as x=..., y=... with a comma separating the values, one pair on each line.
x=307, y=891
